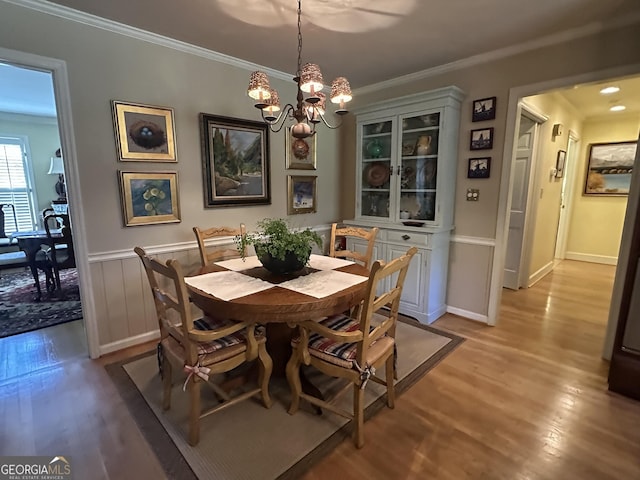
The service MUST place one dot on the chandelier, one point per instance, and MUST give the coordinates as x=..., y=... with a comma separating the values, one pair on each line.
x=309, y=109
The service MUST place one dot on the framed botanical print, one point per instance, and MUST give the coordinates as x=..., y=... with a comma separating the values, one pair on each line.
x=300, y=153
x=144, y=133
x=235, y=161
x=149, y=197
x=301, y=196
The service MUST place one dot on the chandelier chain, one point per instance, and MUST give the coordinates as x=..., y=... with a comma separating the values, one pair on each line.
x=299, y=39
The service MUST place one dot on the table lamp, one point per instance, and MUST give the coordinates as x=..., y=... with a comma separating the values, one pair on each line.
x=56, y=167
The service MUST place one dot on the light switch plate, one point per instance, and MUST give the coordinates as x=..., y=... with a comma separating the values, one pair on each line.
x=473, y=194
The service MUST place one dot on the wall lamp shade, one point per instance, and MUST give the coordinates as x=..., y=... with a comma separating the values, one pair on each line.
x=56, y=167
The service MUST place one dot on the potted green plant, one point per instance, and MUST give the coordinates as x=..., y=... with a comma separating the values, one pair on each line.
x=279, y=248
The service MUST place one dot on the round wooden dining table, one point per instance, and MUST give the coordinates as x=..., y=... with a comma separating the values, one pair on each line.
x=279, y=308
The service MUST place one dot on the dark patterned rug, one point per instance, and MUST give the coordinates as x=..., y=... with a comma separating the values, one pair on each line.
x=19, y=310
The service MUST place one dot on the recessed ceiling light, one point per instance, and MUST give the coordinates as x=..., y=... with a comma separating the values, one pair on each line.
x=609, y=90
x=617, y=108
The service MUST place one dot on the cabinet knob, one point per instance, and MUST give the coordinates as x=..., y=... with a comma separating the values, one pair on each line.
x=406, y=237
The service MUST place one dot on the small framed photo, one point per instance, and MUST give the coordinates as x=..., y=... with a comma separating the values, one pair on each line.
x=301, y=194
x=482, y=139
x=300, y=153
x=235, y=161
x=562, y=156
x=479, y=167
x=149, y=197
x=484, y=109
x=144, y=133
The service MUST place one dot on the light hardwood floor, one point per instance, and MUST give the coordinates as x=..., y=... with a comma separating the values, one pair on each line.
x=526, y=399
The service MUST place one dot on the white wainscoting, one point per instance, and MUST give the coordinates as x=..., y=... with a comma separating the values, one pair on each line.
x=124, y=310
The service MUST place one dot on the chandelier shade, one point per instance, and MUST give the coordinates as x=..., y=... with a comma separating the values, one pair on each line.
x=309, y=110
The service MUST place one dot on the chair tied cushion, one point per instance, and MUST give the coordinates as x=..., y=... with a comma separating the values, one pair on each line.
x=197, y=369
x=365, y=373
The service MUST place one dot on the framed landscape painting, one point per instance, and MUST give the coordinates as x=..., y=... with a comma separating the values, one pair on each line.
x=609, y=168
x=144, y=133
x=149, y=197
x=235, y=161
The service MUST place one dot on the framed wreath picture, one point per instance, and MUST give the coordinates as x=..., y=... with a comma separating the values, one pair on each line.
x=149, y=197
x=144, y=133
x=235, y=161
x=301, y=194
x=300, y=153
x=484, y=109
x=481, y=139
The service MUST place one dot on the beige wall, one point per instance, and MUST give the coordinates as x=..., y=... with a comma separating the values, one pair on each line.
x=596, y=222
x=43, y=140
x=546, y=197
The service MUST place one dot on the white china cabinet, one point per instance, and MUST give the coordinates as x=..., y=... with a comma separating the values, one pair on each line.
x=405, y=185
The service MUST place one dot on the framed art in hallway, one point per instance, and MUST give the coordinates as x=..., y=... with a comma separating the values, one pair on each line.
x=479, y=167
x=300, y=153
x=149, y=197
x=144, y=133
x=609, y=167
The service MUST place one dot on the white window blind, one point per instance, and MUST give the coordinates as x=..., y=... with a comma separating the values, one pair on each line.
x=15, y=187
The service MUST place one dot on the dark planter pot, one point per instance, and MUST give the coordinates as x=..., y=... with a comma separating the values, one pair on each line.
x=290, y=264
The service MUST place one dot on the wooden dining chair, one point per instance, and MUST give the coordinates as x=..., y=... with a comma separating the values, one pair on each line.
x=201, y=347
x=353, y=347
x=355, y=233
x=211, y=255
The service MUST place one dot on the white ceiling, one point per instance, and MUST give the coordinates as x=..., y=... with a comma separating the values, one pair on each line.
x=368, y=41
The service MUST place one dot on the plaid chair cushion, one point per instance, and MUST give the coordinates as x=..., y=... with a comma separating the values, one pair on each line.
x=342, y=354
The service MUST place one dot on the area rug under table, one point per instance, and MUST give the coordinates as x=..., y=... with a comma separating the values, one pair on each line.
x=247, y=441
x=20, y=311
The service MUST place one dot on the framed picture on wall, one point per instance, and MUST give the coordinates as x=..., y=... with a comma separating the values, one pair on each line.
x=479, y=167
x=301, y=194
x=484, y=109
x=235, y=161
x=560, y=161
x=144, y=133
x=149, y=197
x=481, y=139
x=300, y=153
x=609, y=167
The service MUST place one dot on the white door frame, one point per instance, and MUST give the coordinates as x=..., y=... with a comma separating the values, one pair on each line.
x=569, y=180
x=504, y=199
x=58, y=69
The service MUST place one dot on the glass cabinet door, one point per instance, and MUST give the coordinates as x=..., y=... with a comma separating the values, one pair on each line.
x=418, y=167
x=376, y=167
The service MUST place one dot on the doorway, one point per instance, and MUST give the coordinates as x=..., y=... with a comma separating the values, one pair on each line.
x=575, y=149
x=60, y=86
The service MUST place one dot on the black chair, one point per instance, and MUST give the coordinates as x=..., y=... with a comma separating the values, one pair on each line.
x=59, y=254
x=5, y=240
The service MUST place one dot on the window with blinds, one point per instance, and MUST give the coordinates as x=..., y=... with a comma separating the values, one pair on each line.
x=15, y=186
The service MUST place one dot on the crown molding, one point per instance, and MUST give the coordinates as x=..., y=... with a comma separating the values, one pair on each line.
x=67, y=13
x=550, y=40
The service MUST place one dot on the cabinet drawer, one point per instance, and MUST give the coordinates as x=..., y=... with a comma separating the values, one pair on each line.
x=410, y=238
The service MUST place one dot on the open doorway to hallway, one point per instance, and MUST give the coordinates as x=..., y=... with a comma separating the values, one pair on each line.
x=566, y=223
x=33, y=181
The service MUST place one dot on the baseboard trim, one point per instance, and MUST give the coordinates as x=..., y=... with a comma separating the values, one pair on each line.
x=477, y=317
x=586, y=257
x=129, y=342
x=537, y=276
